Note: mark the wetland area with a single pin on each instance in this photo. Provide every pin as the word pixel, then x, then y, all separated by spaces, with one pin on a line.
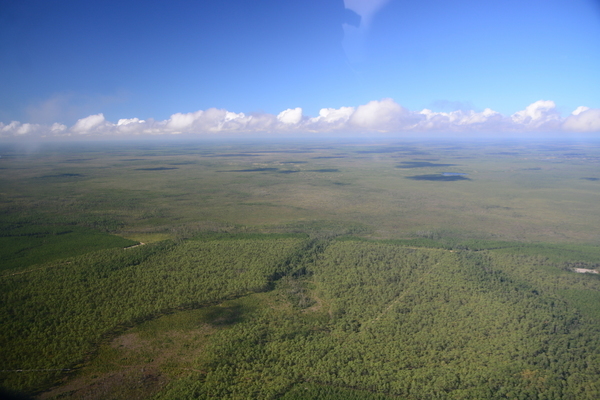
pixel 300 270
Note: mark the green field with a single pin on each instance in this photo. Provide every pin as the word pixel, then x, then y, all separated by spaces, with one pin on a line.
pixel 310 270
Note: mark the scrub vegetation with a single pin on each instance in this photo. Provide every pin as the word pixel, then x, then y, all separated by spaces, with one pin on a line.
pixel 230 277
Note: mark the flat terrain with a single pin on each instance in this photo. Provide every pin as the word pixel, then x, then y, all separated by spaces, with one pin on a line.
pixel 321 270
pixel 523 191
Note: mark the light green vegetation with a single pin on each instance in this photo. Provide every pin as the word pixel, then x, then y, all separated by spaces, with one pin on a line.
pixel 521 192
pixel 310 271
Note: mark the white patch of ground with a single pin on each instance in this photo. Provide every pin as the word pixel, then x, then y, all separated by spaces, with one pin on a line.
pixel 585 271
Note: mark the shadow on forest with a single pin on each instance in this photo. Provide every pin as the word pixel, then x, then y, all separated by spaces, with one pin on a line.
pixel 7 394
pixel 226 315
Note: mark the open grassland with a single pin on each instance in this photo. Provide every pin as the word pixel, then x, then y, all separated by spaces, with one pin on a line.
pixel 300 271
pixel 520 192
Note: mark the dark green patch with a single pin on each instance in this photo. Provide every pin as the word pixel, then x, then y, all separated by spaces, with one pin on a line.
pixel 586 301
pixel 224 315
pixel 287 172
pixel 61 176
pixel 565 254
pixel 235 155
pixel 391 149
pixel 248 236
pixel 183 163
pixel 252 170
pixel 309 391
pixel 22 247
pixel 438 178
pixel 76 160
pixel 422 164
pixel 284 151
pixel 156 169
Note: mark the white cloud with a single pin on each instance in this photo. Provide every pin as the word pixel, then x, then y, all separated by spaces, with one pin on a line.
pixel 290 116
pixel 133 126
pixel 216 120
pixel 26 129
pixel 579 110
pixel 460 120
pixel 180 122
pixel 380 116
pixel 123 122
pixel 583 119
pixel 17 129
pixel 262 123
pixel 7 129
pixel 383 116
pixel 330 119
pixel 540 114
pixel 332 115
pixel 57 128
pixel 90 124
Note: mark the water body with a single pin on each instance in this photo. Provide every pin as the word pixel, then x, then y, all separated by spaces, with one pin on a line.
pixel 454 174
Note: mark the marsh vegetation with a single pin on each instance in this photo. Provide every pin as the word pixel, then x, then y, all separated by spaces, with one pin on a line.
pixel 348 278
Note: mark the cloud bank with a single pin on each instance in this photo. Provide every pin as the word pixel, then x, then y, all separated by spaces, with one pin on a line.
pixel 379 117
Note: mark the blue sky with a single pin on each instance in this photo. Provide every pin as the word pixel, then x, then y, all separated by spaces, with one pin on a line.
pixel 306 66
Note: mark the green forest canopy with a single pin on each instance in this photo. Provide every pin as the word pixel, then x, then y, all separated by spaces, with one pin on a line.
pixel 326 307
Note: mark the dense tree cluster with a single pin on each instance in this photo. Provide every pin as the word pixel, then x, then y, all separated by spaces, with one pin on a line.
pixel 51 317
pixel 320 318
pixel 410 323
